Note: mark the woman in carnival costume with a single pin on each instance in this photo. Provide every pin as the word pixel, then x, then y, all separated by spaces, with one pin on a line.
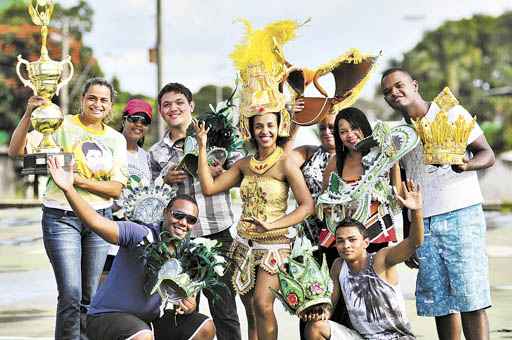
pixel 262 243
pixel 350 127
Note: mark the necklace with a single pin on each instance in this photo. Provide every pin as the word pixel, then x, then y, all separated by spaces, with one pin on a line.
pixel 260 167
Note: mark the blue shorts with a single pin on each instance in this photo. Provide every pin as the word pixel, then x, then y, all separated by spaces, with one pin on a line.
pixel 453 275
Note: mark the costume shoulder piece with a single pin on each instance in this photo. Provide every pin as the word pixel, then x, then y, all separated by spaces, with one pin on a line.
pixel 386 146
pixel 261 70
pixel 304 283
pixel 444 141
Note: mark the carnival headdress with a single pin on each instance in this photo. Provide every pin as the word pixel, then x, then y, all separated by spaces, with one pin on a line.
pixel 145 203
pixel 304 283
pixel 223 137
pixel 350 70
pixel 387 145
pixel 261 71
pixel 444 142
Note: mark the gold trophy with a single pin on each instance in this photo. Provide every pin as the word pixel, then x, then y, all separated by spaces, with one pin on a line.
pixel 45 79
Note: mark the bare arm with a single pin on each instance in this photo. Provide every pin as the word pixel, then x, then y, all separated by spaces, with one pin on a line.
pixel 407 247
pixel 335 276
pixel 19 136
pixel 209 184
pixel 396 179
pixel 107 189
pixel 483 156
pixel 105 228
pixel 301 154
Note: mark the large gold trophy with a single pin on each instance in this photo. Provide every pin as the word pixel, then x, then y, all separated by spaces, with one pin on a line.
pixel 45 79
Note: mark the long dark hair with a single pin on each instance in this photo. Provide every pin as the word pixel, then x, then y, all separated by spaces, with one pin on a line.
pixel 357 120
pixel 280 140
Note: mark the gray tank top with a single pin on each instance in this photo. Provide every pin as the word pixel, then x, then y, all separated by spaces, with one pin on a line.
pixel 376 309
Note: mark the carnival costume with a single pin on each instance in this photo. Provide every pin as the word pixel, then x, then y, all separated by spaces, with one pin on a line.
pixel 354 200
pixel 263 197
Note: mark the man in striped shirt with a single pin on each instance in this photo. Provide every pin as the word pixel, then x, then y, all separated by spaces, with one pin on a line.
pixel 175 105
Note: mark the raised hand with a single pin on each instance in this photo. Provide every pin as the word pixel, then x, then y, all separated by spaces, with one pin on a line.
pixel 33 103
pixel 64 178
pixel 201 133
pixel 175 175
pixel 412 196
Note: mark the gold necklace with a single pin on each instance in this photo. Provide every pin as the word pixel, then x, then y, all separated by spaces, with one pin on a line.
pixel 260 167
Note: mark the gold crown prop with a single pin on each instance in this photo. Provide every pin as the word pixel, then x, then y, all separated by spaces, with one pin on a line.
pixel 444 142
pixel 261 72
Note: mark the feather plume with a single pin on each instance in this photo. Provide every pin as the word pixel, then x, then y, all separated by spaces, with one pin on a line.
pixel 258 46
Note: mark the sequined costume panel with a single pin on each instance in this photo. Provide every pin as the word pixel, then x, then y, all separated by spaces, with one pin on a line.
pixel 265 199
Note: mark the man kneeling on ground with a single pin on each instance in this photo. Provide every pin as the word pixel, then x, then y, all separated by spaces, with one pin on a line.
pixel 121 309
pixel 369 282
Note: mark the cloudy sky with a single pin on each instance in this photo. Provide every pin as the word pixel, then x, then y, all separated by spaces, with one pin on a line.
pixel 200 34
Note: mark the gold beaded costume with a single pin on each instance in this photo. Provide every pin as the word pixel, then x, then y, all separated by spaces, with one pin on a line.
pixel 264 198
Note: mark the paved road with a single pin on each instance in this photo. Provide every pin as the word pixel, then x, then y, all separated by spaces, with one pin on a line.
pixel 28 291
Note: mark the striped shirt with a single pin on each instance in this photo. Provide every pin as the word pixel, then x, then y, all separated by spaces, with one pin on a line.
pixel 215 214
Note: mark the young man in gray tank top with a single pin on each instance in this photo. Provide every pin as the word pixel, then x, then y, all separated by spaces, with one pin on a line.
pixel 369 282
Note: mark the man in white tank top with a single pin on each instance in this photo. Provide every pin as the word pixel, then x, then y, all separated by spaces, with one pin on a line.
pixel 369 282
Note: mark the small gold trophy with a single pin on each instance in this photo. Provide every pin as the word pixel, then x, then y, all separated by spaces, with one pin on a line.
pixel 45 80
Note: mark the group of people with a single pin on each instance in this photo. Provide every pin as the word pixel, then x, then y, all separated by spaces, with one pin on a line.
pixel 446 238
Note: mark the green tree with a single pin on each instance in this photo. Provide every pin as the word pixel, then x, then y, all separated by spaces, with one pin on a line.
pixel 208 95
pixel 471 56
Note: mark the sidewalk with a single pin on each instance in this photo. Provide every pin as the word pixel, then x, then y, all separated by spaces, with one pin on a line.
pixel 28 298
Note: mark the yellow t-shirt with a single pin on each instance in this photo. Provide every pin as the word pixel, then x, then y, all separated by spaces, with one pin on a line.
pixel 99 155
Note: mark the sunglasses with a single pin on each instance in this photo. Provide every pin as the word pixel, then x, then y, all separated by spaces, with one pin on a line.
pixel 138 119
pixel 179 215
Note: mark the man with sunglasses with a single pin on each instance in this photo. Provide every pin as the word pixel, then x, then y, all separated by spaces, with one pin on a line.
pixel 175 105
pixel 121 309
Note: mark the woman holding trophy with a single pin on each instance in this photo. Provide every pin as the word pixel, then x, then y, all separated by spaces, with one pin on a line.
pixel 76 253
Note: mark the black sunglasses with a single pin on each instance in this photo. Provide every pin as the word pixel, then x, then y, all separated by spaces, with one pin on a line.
pixel 179 215
pixel 138 119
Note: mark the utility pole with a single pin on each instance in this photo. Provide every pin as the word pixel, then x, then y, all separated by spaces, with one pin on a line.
pixel 160 124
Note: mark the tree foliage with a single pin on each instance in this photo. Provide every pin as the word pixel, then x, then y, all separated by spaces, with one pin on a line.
pixel 471 56
pixel 16 40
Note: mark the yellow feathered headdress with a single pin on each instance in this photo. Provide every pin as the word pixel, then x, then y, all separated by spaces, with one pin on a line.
pixel 259 61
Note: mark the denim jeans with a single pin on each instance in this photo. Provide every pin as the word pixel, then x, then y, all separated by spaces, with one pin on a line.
pixel 223 305
pixel 77 256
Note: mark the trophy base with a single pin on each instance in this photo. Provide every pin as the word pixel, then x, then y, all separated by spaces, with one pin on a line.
pixel 37 163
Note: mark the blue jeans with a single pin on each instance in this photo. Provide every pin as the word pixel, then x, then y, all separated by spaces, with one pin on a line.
pixel 77 256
